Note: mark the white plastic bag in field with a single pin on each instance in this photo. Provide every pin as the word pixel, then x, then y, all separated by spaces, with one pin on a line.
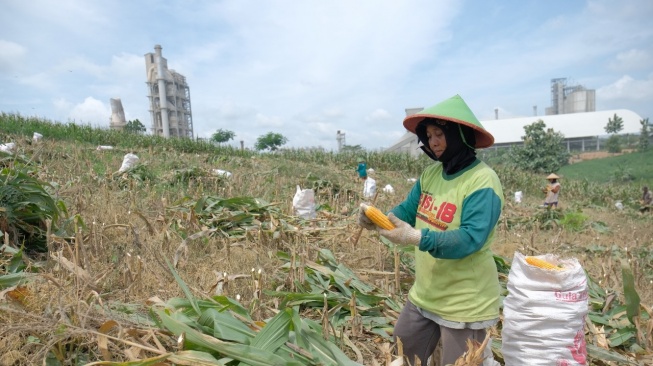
pixel 128 162
pixel 8 147
pixel 221 173
pixel 388 189
pixel 518 196
pixel 104 147
pixel 36 138
pixel 544 314
pixel 369 188
pixel 304 203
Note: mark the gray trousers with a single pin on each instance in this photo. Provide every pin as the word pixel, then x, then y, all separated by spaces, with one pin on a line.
pixel 419 337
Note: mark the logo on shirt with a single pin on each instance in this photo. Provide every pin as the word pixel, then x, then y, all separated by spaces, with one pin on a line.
pixel 434 213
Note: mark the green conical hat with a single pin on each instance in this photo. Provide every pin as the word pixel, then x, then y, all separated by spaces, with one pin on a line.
pixel 454 110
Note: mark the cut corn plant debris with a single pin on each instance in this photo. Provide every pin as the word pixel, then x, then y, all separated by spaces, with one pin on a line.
pixel 221 332
pixel 300 305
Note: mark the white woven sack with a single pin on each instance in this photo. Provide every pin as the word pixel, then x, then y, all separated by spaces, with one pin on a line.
pixel 544 314
pixel 8 147
pixel 128 162
pixel 369 188
pixel 303 203
pixel 388 189
pixel 221 173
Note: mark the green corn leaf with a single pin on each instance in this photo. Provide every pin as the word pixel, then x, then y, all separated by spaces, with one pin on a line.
pixel 599 319
pixel 232 305
pixel 598 353
pixel 14 279
pixel 327 352
pixel 152 361
pixel 225 326
pixel 184 288
pixel 622 336
pixel 630 293
pixel 178 358
pixel 200 205
pixel 192 358
pixel 275 332
pixel 241 352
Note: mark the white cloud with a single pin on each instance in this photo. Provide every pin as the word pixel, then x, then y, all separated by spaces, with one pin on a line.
pixel 627 88
pixel 378 114
pixel 11 56
pixel 322 66
pixel 321 128
pixel 127 65
pixel 333 113
pixel 91 111
pixel 633 59
pixel 62 105
pixel 231 110
pixel 268 121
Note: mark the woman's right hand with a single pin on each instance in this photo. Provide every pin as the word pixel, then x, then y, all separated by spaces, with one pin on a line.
pixel 363 220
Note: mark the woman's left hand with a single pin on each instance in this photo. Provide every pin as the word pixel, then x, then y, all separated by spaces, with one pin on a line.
pixel 403 233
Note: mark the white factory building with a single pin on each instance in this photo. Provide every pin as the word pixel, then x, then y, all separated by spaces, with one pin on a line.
pixel 572 113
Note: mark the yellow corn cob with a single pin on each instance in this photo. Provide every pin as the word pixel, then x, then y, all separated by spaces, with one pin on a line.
pixel 379 218
pixel 537 262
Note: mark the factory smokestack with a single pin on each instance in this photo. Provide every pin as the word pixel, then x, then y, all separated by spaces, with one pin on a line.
pixel 118 120
pixel 163 98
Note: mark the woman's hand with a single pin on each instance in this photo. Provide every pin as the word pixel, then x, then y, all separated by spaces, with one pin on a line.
pixel 403 233
pixel 363 220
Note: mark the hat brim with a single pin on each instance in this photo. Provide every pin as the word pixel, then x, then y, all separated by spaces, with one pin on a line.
pixel 552 176
pixel 483 137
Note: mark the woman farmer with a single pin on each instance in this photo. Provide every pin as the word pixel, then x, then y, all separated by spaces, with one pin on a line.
pixel 450 216
pixel 552 189
pixel 362 169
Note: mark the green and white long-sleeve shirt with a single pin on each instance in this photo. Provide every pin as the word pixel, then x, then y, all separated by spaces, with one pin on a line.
pixel 455 273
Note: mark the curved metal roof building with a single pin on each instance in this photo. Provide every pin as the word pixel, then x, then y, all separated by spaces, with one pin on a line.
pixel 571 125
pixel 581 130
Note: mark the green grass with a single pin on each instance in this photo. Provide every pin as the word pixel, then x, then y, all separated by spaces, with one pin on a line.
pixel 637 165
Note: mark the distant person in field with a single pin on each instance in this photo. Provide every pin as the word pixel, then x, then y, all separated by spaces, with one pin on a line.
pixel 362 169
pixel 552 190
pixel 647 200
pixel 450 217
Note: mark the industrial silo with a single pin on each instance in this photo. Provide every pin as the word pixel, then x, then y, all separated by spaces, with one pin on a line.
pixel 169 97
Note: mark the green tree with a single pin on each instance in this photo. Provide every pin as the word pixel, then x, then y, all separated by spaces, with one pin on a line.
pixel 135 126
pixel 613 127
pixel 270 141
pixel 543 150
pixel 615 124
pixel 644 133
pixel 221 136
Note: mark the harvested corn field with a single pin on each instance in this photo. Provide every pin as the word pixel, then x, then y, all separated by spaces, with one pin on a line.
pixel 170 263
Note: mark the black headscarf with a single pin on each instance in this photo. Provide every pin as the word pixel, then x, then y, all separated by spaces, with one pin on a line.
pixel 459 153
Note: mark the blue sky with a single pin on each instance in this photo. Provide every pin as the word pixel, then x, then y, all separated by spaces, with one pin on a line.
pixel 307 69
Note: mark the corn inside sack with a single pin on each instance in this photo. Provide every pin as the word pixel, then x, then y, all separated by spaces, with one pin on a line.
pixel 544 312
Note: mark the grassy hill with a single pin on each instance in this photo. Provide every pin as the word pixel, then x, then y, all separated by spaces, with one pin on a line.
pixel 636 167
pixel 170 263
